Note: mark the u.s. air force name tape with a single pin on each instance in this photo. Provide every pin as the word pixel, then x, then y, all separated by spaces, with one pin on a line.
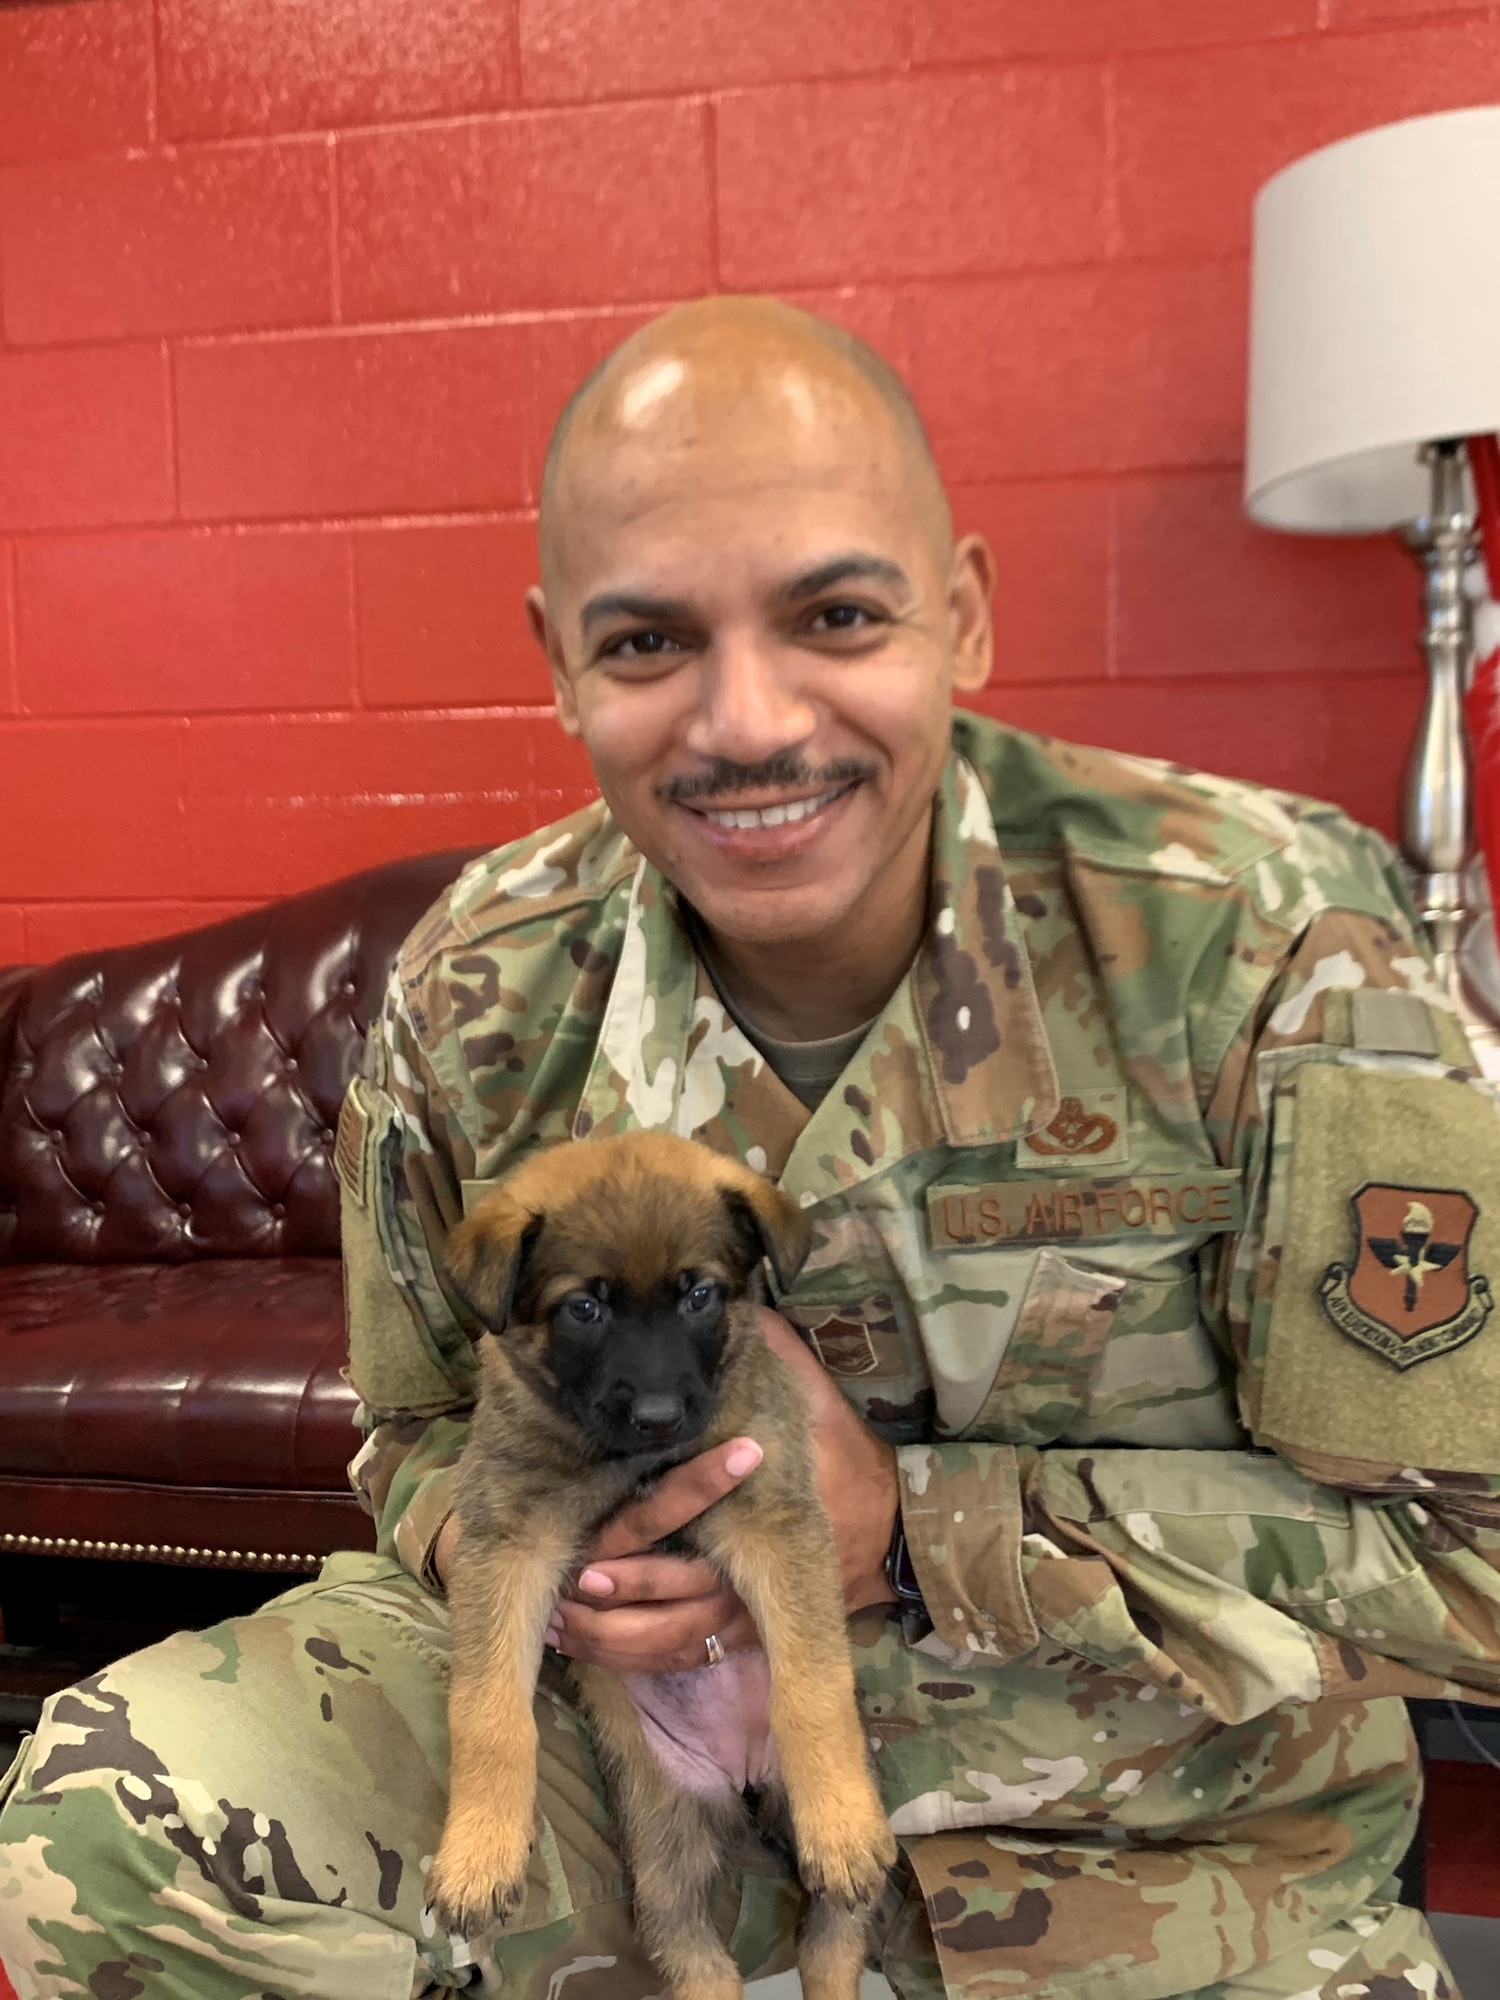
pixel 1032 1211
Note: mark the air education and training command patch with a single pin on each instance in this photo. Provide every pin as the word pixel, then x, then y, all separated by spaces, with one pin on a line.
pixel 1408 1295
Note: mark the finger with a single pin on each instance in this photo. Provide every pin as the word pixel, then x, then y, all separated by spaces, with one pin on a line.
pixel 647 1628
pixel 678 1497
pixel 646 1579
pixel 708 1609
pixel 687 1654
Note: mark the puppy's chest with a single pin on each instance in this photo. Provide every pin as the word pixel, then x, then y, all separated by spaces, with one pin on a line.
pixel 710 1730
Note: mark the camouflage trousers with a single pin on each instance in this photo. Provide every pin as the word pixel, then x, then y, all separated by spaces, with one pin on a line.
pixel 247 1813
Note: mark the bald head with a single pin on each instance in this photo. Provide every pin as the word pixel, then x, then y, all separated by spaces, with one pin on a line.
pixel 756 618
pixel 703 375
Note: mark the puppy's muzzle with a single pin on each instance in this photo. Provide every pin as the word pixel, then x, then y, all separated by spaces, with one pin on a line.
pixel 660 1419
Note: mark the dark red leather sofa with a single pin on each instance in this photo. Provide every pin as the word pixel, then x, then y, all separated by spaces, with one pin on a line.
pixel 171 1317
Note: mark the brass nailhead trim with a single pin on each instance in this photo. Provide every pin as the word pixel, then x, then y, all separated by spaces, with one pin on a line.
pixel 163 1552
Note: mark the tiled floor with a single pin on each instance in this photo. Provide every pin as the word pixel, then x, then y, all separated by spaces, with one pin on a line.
pixel 787 1986
pixel 1473 1948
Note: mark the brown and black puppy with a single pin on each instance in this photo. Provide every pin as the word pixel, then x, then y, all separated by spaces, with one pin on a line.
pixel 621 1275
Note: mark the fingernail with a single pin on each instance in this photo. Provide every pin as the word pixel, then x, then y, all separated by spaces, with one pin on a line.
pixel 596 1583
pixel 554 1633
pixel 746 1455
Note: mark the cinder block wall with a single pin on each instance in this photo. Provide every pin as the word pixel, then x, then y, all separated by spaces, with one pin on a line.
pixel 290 291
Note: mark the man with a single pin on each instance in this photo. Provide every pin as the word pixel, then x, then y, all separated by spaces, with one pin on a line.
pixel 1147 1325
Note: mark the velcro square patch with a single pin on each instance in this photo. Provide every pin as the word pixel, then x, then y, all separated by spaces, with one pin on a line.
pixel 1383 1229
pixel 351 1148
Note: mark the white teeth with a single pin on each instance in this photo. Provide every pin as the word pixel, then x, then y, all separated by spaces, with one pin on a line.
pixel 773 815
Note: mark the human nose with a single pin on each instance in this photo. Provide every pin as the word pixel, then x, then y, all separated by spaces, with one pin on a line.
pixel 749 705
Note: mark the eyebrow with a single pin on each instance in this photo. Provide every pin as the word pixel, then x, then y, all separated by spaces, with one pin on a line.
pixel 627 604
pixel 828 575
pixel 853 568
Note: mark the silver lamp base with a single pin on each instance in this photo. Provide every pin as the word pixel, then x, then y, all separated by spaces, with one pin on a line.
pixel 1435 834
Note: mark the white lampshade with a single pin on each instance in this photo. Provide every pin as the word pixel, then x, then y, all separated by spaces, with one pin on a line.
pixel 1374 320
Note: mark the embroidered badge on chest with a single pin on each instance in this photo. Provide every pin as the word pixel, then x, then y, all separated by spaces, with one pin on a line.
pixel 1089 1129
pixel 1408 1296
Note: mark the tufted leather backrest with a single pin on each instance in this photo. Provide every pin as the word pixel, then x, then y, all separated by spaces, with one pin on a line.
pixel 178 1099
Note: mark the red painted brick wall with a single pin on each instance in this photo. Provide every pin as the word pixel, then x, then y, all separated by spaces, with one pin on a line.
pixel 290 292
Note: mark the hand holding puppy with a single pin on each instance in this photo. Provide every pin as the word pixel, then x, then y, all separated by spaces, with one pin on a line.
pixel 657 1612
pixel 660 1609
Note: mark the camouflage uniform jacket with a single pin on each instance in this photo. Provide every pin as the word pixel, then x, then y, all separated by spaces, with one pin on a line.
pixel 1168 1477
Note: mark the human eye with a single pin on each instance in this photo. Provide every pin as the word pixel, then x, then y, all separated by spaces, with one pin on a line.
pixel 846 621
pixel 645 645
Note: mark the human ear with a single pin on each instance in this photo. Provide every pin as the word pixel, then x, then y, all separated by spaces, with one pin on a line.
pixel 547 636
pixel 971 590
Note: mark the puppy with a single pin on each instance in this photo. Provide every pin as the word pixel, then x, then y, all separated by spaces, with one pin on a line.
pixel 621 1276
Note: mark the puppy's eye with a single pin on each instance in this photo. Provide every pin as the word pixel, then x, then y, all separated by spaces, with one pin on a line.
pixel 700 1298
pixel 581 1307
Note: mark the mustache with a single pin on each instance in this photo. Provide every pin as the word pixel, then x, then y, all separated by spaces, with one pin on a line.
pixel 725 779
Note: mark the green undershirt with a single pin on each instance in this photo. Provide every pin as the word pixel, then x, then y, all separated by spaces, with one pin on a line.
pixel 808 1069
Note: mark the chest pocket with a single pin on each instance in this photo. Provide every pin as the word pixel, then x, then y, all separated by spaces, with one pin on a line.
pixel 1161 1380
pixel 1020 1344
pixel 851 1307
pixel 1053 1353
pixel 861 1341
pixel 1107 1350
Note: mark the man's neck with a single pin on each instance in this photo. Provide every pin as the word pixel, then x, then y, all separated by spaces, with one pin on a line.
pixel 810 989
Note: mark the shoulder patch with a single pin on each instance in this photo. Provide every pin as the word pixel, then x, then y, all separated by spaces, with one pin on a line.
pixel 1407 1295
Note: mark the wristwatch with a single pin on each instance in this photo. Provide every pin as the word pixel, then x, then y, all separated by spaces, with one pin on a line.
pixel 899 1571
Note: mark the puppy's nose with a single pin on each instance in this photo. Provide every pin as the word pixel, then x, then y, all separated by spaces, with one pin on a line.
pixel 658 1418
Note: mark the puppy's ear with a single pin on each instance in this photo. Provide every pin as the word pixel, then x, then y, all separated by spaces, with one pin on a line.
pixel 768 1222
pixel 487 1255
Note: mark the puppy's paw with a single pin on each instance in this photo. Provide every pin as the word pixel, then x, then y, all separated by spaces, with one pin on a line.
pixel 847 1851
pixel 479 1876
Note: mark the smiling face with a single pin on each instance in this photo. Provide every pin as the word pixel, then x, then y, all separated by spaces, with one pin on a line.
pixel 755 619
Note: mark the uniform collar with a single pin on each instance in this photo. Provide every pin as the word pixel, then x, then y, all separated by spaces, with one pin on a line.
pixel 958 1057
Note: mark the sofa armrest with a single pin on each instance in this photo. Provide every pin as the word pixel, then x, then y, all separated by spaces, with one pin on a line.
pixel 14 980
